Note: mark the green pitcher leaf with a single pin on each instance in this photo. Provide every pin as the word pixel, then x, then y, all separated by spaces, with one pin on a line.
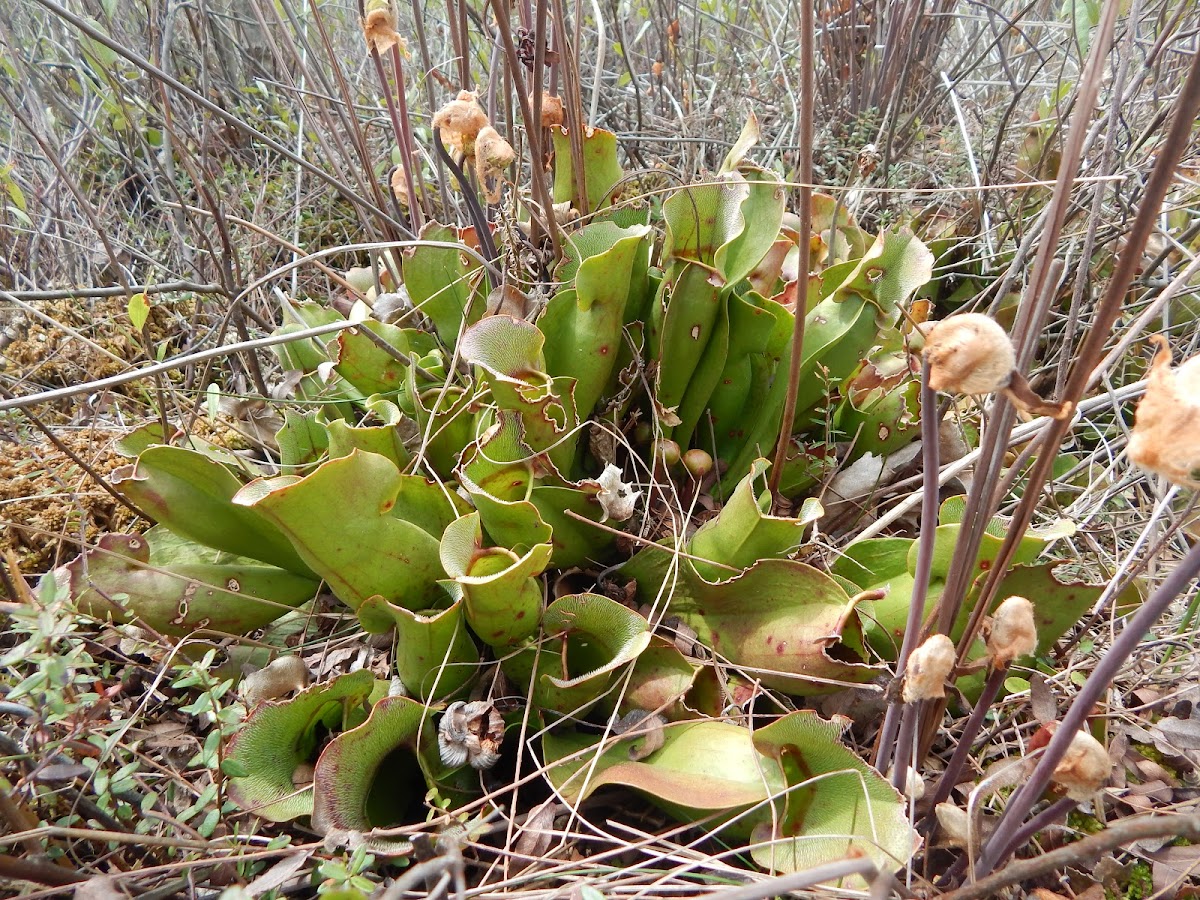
pixel 362 526
pixel 509 351
pixel 783 622
pixel 443 282
pixel 582 325
pixel 303 441
pixel 176 586
pixel 373 776
pixel 502 596
pixel 602 170
pixel 384 440
pixel 371 368
pixel 587 639
pixel 435 655
pixel 193 496
pixel 277 738
pixel 745 531
pixel 702 768
pixel 497 473
pixel 835 806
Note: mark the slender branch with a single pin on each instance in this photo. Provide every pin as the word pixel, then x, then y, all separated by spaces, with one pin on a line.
pixel 1080 854
pixel 998 847
pixel 896 711
pixel 805 173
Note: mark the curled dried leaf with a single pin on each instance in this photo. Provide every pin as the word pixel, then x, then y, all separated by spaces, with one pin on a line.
pixel 399 186
pixel 460 121
pixel 646 727
pixel 927 670
pixel 1013 633
pixel 471 733
pixel 968 354
pixel 280 678
pixel 379 27
pixel 1166 430
pixel 493 154
pixel 1084 768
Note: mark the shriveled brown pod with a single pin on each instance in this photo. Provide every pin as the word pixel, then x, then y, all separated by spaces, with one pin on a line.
pixel 379 26
pixel 928 668
pixel 1084 768
pixel 460 121
pixel 552 110
pixel 968 354
pixel 493 154
pixel 1013 632
pixel 1166 429
pixel 972 354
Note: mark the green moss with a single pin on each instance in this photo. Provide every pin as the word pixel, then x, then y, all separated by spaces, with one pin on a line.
pixel 1083 822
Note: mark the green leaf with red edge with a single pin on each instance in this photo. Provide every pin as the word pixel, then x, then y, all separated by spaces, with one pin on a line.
pixel 435 655
pixel 502 595
pixel 795 772
pixel 362 526
pixel 783 622
pixel 587 639
pixel 176 586
pixel 278 737
pixel 835 806
pixel 602 170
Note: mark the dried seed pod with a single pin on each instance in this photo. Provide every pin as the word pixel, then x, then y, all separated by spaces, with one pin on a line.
pixel 379 26
pixel 471 733
pixel 927 670
pixel 552 110
pixel 968 354
pixel 1013 633
pixel 493 154
pixel 460 121
pixel 278 679
pixel 1166 430
pixel 1084 768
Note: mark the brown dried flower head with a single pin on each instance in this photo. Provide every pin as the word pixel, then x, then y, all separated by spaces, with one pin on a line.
pixel 968 354
pixel 471 733
pixel 1013 633
pixel 379 27
pixel 493 154
pixel 927 670
pixel 1084 768
pixel 460 121
pixel 552 110
pixel 1166 429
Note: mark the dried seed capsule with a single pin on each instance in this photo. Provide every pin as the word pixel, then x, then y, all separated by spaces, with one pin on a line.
pixel 552 110
pixel 460 121
pixel 493 154
pixel 968 354
pixel 1084 768
pixel 379 26
pixel 1013 634
pixel 471 733
pixel 927 670
pixel 1166 430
